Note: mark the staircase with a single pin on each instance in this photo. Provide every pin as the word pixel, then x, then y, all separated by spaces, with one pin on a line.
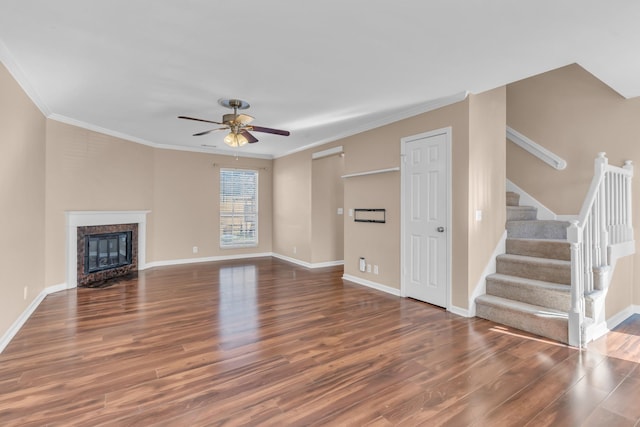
pixel 531 289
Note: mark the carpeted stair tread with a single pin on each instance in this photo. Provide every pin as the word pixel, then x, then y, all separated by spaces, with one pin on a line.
pixel 513 199
pixel 521 213
pixel 531 289
pixel 548 270
pixel 541 248
pixel 536 319
pixel 537 229
pixel 536 292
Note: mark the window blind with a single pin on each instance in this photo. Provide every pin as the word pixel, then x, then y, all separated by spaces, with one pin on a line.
pixel 238 208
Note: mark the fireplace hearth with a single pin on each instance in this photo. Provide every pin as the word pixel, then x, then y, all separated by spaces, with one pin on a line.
pixel 105 252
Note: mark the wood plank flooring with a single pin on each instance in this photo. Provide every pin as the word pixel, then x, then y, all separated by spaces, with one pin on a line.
pixel 264 342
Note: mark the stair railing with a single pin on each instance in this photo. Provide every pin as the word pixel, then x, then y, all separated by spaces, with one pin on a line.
pixel 604 220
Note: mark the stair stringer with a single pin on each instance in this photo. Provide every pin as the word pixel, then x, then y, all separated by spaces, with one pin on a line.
pixel 543 211
pixel 481 286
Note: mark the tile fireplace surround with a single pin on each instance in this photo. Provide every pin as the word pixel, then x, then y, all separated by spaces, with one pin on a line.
pixel 77 219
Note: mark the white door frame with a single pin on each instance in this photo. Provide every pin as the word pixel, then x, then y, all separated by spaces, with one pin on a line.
pixel 403 143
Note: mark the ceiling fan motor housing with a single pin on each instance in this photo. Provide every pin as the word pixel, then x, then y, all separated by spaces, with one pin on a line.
pixel 228 118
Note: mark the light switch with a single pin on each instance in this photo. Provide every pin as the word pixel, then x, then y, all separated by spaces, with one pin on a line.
pixel 478 215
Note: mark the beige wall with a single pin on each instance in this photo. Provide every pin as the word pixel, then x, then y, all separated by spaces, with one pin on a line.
pixel 292 206
pixel 327 195
pixel 186 199
pixel 487 171
pixel 91 171
pixel 479 183
pixel 575 115
pixel 22 187
pixel 380 243
pixel 48 168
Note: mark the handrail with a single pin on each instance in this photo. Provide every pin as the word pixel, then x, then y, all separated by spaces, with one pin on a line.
pixel 536 149
pixel 604 220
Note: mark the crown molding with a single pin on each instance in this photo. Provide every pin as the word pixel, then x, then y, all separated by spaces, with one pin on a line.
pixel 385 120
pixel 88 126
pixel 20 77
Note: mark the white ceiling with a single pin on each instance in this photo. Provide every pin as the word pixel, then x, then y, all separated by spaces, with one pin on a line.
pixel 322 69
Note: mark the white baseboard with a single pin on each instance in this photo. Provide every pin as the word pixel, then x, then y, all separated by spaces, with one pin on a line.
pixel 327 264
pixel 292 260
pixel 370 284
pixel 308 264
pixel 460 311
pixel 21 320
pixel 620 317
pixel 203 259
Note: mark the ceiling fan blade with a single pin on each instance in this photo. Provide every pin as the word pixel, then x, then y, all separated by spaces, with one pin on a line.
pixel 270 130
pixel 250 138
pixel 244 119
pixel 207 131
pixel 199 120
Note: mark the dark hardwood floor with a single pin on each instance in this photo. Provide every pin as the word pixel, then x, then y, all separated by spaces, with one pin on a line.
pixel 264 342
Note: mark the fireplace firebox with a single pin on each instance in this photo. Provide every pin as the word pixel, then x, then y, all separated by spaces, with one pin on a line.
pixel 106 252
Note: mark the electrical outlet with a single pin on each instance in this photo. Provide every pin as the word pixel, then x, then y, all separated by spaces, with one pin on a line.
pixel 26 292
pixel 368 268
pixel 340 211
pixel 375 269
pixel 295 250
pixel 195 249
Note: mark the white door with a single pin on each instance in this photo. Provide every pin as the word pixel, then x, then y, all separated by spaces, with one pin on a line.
pixel 425 212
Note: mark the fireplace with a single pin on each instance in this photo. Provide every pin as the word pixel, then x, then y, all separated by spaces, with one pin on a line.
pixel 104 245
pixel 106 252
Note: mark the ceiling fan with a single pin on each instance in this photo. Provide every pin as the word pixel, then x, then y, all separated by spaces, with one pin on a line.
pixel 237 124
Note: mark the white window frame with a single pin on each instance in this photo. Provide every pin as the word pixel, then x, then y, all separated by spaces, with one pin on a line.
pixel 233 237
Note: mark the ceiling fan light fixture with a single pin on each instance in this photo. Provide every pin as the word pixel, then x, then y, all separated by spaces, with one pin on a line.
pixel 235 140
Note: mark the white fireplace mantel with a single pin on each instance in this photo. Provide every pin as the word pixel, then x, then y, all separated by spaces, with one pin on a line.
pixel 77 219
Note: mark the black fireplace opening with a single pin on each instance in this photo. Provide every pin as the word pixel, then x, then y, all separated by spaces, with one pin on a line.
pixel 107 251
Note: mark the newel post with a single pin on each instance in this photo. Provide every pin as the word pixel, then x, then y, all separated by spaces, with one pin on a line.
pixel 600 163
pixel 576 314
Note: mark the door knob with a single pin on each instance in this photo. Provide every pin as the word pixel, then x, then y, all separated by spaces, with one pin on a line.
pixel 440 229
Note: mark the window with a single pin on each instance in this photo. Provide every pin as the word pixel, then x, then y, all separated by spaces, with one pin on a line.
pixel 238 208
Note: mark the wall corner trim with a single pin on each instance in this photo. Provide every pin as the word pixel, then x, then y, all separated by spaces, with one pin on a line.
pixel 536 149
